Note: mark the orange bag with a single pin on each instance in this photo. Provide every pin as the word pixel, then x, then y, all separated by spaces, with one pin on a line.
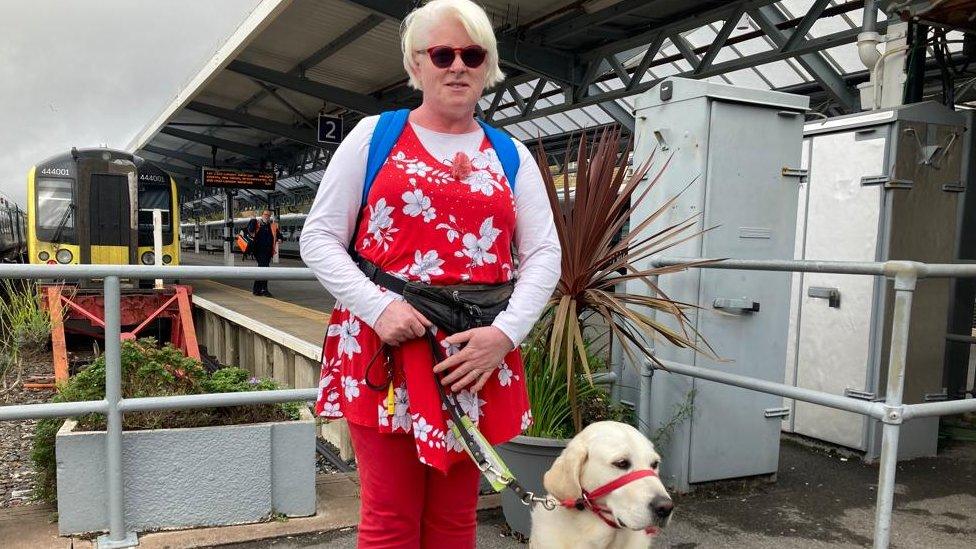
pixel 242 242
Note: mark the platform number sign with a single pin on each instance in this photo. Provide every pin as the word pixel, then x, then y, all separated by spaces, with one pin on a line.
pixel 330 129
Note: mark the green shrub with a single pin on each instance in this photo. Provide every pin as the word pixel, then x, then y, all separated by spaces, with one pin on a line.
pixel 23 321
pixel 238 380
pixel 44 459
pixel 151 370
pixel 552 409
pixel 25 326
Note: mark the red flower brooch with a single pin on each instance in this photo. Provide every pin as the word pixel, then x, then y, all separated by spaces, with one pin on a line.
pixel 460 166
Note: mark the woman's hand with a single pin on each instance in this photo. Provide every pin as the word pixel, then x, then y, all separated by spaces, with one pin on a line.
pixel 473 365
pixel 400 322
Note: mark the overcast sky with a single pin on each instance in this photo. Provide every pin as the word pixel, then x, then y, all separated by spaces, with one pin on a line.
pixel 95 72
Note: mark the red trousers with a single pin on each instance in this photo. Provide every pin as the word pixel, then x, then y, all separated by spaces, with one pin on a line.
pixel 408 505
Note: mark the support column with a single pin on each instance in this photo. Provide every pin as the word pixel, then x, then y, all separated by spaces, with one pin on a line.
pixel 915 88
pixel 228 227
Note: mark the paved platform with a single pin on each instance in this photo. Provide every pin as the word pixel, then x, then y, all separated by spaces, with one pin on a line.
pixel 300 328
pixel 306 293
pixel 35 526
pixel 821 499
pixel 296 316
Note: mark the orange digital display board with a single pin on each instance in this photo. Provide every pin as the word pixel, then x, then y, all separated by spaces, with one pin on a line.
pixel 228 178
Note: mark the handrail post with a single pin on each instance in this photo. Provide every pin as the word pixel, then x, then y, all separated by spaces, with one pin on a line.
pixel 644 412
pixel 906 278
pixel 117 536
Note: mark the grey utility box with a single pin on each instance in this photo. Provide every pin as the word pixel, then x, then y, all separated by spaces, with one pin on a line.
pixel 739 149
pixel 883 185
pixel 960 375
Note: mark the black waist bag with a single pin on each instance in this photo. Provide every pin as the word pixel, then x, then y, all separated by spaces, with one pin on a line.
pixel 454 308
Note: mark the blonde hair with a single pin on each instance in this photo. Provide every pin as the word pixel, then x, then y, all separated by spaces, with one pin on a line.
pixel 471 16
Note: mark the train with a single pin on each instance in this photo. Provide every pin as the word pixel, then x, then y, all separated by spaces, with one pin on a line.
pixel 212 234
pixel 95 206
pixel 13 232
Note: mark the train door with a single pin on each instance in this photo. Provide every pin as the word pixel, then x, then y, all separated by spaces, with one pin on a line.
pixel 109 213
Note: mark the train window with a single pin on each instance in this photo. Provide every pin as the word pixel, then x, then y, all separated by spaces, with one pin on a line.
pixel 146 220
pixel 153 197
pixel 54 200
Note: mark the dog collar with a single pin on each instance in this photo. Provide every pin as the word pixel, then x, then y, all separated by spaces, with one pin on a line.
pixel 588 501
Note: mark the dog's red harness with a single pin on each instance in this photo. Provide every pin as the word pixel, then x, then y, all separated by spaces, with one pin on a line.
pixel 588 501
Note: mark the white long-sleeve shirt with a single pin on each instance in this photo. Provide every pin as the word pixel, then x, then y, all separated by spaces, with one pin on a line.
pixel 330 225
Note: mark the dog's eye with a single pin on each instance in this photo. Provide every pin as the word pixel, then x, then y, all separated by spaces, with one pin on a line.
pixel 654 464
pixel 622 464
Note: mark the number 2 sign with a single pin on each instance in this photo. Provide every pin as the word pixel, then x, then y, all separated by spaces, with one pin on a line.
pixel 330 129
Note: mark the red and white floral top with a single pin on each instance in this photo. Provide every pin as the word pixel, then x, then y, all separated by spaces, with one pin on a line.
pixel 421 223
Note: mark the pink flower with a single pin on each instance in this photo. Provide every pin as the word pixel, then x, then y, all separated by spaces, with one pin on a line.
pixel 461 166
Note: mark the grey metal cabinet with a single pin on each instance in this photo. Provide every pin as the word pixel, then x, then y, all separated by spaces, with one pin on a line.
pixel 734 158
pixel 882 185
pixel 960 368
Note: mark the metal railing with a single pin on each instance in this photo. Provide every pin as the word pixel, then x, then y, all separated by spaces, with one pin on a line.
pixel 892 411
pixel 113 406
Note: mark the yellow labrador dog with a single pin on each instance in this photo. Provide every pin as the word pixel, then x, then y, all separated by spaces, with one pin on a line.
pixel 604 455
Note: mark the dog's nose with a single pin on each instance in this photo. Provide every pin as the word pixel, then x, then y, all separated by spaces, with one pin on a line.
pixel 662 507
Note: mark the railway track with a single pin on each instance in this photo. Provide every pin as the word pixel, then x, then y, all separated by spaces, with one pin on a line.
pixel 325 451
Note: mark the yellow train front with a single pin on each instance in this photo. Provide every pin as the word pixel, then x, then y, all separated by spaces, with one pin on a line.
pixel 95 206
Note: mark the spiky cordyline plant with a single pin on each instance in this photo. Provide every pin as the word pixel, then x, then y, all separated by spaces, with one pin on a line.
pixel 592 256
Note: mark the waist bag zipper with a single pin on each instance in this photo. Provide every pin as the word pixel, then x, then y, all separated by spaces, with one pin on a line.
pixel 472 309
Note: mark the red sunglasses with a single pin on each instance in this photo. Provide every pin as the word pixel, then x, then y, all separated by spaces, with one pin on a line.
pixel 443 56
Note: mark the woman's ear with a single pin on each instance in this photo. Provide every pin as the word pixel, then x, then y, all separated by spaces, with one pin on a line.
pixel 562 481
pixel 414 71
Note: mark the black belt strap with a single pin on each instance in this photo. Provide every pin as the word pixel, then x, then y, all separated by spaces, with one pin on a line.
pixel 381 277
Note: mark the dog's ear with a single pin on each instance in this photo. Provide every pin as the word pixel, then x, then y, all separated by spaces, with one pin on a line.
pixel 562 481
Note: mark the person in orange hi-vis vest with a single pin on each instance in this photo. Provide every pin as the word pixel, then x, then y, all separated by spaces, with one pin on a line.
pixel 264 242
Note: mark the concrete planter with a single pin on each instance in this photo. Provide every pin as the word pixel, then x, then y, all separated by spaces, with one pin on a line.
pixel 529 458
pixel 182 478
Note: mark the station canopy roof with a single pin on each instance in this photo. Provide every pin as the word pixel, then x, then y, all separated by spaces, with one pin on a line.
pixel 571 66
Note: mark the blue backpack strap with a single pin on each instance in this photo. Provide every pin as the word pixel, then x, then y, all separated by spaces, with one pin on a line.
pixel 385 135
pixel 506 151
pixel 390 126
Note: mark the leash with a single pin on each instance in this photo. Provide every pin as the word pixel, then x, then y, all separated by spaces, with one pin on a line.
pixel 477 447
pixel 474 443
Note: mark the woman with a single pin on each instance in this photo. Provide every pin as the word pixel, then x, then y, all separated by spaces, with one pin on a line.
pixel 440 211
